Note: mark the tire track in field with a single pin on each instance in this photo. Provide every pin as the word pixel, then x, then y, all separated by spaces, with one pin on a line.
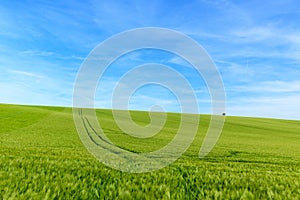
pixel 87 125
pixel 110 147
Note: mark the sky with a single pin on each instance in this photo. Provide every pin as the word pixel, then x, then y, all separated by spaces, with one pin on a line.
pixel 255 46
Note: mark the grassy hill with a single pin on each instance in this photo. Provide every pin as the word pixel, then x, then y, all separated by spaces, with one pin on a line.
pixel 42 157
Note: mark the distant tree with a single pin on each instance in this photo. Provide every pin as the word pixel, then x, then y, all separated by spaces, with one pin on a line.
pixel 223 114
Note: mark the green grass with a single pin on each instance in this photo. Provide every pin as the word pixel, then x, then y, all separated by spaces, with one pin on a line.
pixel 42 157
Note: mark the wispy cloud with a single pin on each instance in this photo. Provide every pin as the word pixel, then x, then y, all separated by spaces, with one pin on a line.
pixel 24 73
pixel 36 53
pixel 270 87
pixel 285 107
pixel 55 55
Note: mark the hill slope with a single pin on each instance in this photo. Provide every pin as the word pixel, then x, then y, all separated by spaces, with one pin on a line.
pixel 42 156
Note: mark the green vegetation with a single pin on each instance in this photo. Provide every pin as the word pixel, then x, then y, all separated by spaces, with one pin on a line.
pixel 42 157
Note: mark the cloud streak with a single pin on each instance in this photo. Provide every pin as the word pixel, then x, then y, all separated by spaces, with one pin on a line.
pixel 24 73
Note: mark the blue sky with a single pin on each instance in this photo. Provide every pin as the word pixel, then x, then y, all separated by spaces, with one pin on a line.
pixel 255 46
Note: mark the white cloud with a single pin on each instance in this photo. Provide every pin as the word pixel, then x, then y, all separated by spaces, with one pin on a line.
pixel 179 61
pixel 269 86
pixel 285 107
pixel 253 34
pixel 18 93
pixel 36 53
pixel 25 73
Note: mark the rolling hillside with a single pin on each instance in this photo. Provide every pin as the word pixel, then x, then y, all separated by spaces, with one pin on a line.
pixel 42 157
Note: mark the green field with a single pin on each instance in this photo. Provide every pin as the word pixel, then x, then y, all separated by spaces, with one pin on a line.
pixel 42 157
